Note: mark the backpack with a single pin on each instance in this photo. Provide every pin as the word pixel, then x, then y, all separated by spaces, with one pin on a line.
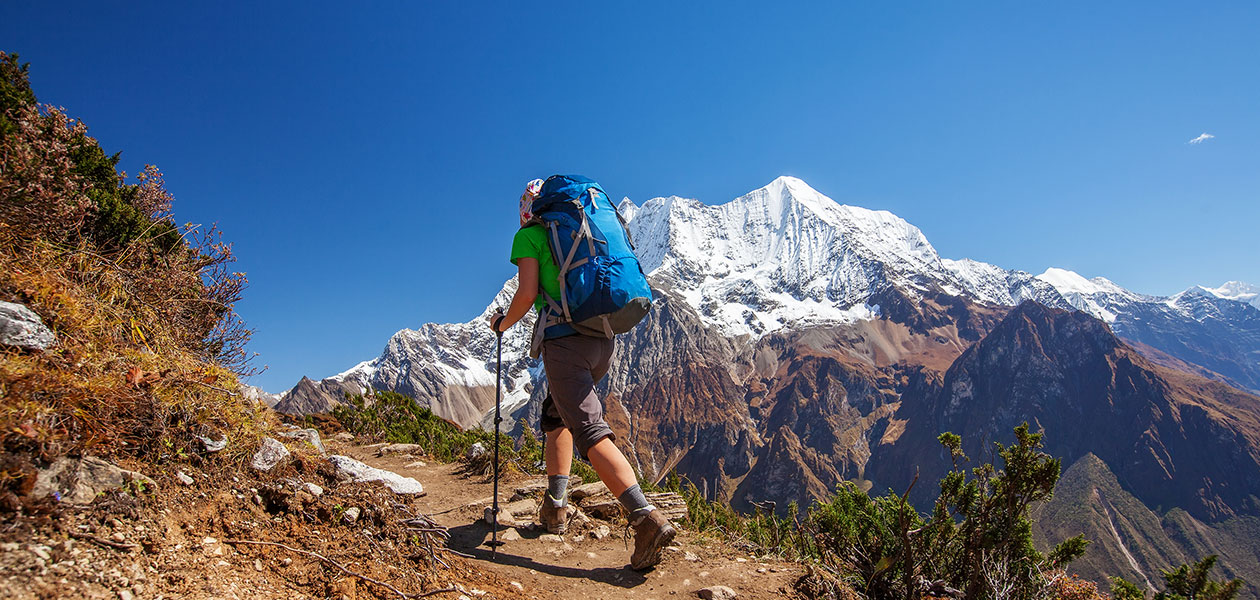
pixel 603 290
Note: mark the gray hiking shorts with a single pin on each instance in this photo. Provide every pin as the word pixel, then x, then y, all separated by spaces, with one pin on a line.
pixel 573 364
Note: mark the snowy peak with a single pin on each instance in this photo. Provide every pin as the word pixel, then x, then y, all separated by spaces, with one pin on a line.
pixel 1070 282
pixel 627 208
pixel 1232 290
pixel 781 254
pixel 1099 296
pixel 786 196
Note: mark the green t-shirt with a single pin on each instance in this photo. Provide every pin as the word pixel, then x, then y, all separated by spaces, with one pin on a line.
pixel 531 242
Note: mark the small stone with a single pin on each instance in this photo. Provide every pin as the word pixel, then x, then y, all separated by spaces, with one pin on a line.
pixel 505 517
pixel 517 585
pixel 222 563
pixel 550 537
pixel 41 551
pixel 344 437
pixel 704 573
pixel 464 597
pixel 763 570
pixel 270 454
pixel 689 555
pixel 125 595
pixel 511 535
pixel 309 436
pixel 352 514
pixel 591 489
pixel 475 451
pixel 287 561
pixel 208 541
pixel 257 565
pixel 211 445
pixel 477 592
pixel 183 478
pixel 313 489
pixel 717 592
pixel 741 559
pixel 119 537
pixel 590 555
pixel 399 449
pixel 600 532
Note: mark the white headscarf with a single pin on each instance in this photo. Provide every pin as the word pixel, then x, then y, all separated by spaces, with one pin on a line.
pixel 527 199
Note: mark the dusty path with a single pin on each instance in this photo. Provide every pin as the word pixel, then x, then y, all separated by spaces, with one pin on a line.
pixel 577 566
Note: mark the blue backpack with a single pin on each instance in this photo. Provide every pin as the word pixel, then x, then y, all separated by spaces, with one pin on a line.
pixel 603 291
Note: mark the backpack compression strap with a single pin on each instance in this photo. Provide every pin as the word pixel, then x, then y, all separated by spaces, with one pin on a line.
pixel 584 232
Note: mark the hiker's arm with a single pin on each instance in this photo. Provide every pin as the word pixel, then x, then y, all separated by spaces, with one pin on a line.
pixel 526 292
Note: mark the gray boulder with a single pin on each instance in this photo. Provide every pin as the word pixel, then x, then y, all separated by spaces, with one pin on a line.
pixel 21 327
pixel 717 592
pixel 309 436
pixel 79 481
pixel 353 470
pixel 270 454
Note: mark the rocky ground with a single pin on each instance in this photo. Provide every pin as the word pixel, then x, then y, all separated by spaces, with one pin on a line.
pixel 218 532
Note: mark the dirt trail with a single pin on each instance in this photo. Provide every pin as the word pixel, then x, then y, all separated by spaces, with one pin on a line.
pixel 579 567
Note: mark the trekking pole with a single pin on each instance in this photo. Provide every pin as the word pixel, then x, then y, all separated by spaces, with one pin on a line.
pixel 494 542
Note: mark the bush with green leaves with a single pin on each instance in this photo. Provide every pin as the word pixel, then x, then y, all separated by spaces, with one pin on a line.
pixel 977 541
pixel 1187 582
pixel 60 184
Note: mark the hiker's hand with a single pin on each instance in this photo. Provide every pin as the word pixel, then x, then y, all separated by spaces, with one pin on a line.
pixel 493 319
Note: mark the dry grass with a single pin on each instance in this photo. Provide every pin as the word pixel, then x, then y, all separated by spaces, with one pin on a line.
pixel 125 378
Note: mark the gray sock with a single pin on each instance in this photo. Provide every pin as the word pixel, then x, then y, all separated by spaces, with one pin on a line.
pixel 558 489
pixel 636 503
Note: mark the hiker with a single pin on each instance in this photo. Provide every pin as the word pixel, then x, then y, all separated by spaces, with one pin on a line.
pixel 572 413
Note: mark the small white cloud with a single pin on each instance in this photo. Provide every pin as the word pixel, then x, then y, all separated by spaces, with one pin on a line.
pixel 1203 137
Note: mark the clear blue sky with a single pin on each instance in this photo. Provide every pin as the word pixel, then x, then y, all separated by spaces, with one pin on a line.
pixel 366 158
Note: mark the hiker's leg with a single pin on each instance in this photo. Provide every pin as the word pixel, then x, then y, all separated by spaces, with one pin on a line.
pixel 571 364
pixel 559 451
pixel 611 465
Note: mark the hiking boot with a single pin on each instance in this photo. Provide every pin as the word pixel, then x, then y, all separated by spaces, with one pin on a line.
pixel 650 535
pixel 555 519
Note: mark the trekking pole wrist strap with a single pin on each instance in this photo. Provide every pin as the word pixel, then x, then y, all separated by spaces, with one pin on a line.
pixel 497 322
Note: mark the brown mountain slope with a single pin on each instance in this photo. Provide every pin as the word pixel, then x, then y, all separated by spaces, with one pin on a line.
pixel 786 417
pixel 1132 541
pixel 1172 439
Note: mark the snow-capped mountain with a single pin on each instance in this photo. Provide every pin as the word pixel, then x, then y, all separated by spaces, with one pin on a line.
pixel 1233 290
pixel 796 343
pixel 784 255
pixel 787 257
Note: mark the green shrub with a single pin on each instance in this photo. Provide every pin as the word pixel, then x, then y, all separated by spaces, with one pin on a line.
pixel 976 541
pixel 1186 582
pixel 393 417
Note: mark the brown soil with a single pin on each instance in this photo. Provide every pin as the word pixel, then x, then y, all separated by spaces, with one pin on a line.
pixel 179 543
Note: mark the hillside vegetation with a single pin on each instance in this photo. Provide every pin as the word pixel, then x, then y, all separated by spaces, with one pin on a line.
pixel 148 349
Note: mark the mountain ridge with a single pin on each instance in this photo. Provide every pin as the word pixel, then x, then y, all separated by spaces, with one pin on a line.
pixel 763 295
